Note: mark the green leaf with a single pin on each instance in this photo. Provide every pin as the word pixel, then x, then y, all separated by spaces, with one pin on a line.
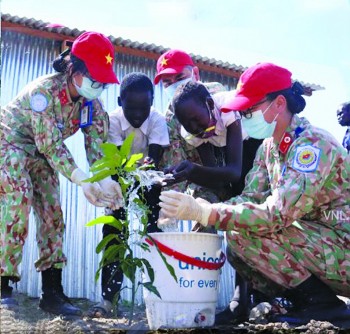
pixel 130 169
pixel 169 267
pixel 101 220
pixel 111 254
pixel 99 176
pixel 109 165
pixel 101 163
pixel 125 149
pixel 150 166
pixel 109 149
pixel 150 287
pixel 104 242
pixel 145 247
pixel 133 159
pixel 149 269
pixel 128 270
pixel 97 275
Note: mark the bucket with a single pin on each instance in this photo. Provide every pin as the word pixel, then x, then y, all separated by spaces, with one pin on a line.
pixel 191 301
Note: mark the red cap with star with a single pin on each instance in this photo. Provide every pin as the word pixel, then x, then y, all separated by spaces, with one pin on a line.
pixel 97 52
pixel 255 83
pixel 172 62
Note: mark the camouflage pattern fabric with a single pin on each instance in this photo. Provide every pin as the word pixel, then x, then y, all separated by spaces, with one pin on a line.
pixel 180 150
pixel 293 216
pixel 32 153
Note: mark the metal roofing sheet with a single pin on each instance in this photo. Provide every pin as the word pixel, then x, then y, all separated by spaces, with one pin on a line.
pixel 152 50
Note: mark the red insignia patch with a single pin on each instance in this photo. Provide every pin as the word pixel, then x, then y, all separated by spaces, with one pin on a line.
pixel 285 143
pixel 63 97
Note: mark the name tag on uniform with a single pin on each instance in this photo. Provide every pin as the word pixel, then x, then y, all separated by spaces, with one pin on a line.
pixel 86 115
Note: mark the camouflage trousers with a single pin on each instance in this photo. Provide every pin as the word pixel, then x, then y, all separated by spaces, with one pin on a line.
pixel 283 260
pixel 28 181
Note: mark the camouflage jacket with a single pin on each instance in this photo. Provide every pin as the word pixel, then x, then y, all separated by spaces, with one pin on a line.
pixel 43 115
pixel 309 183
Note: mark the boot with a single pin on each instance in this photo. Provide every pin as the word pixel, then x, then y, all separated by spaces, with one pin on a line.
pixel 7 301
pixel 53 299
pixel 238 309
pixel 314 300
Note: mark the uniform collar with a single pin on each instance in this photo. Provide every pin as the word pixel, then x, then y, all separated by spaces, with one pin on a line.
pixel 296 127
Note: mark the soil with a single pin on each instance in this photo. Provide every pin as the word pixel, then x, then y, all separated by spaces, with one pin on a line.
pixel 28 318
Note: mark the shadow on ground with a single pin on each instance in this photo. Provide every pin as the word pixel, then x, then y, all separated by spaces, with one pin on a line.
pixel 28 318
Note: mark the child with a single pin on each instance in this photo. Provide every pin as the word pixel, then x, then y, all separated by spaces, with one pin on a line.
pixel 151 135
pixel 217 137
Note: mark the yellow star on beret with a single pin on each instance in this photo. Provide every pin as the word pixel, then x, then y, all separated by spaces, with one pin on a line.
pixel 164 62
pixel 109 59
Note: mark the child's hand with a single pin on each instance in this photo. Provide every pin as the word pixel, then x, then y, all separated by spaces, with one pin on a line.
pixel 183 171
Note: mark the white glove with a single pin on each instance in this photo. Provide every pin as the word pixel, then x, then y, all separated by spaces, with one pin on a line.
pixel 181 206
pixel 167 224
pixel 111 189
pixel 92 191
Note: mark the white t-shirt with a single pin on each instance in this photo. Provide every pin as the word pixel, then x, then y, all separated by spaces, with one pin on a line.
pixel 223 121
pixel 152 131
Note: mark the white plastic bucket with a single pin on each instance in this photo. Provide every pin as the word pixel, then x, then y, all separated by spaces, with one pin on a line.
pixel 191 301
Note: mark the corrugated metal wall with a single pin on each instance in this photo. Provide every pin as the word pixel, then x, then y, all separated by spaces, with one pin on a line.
pixel 24 58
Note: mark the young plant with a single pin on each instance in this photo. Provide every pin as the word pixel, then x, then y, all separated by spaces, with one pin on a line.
pixel 119 161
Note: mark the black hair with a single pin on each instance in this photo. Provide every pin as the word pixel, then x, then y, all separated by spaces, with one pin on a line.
pixel 345 105
pixel 66 61
pixel 191 90
pixel 295 102
pixel 136 82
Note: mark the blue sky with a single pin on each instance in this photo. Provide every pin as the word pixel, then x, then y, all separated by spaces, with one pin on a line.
pixel 309 37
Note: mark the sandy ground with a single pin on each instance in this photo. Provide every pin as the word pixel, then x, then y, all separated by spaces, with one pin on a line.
pixel 28 318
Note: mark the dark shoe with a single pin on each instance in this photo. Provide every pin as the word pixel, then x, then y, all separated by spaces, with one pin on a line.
pixel 338 314
pixel 232 316
pixel 314 300
pixel 53 299
pixel 59 304
pixel 7 300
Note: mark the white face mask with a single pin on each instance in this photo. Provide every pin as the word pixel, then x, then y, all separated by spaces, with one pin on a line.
pixel 257 127
pixel 170 90
pixel 86 90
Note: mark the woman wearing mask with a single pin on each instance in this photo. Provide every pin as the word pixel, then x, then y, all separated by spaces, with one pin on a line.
pixel 288 233
pixel 33 128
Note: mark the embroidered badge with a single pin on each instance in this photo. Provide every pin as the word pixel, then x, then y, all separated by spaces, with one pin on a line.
pixel 38 102
pixel 307 158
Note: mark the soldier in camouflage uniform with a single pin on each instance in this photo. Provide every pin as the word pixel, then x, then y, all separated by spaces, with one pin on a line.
pixel 288 233
pixel 33 128
pixel 175 68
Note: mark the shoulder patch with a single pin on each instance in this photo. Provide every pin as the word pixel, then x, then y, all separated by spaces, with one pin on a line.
pixel 38 102
pixel 307 158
